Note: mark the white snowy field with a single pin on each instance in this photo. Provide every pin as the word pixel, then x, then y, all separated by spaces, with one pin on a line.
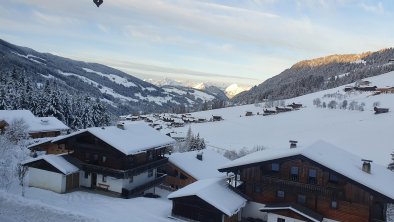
pixel 46 206
pixel 361 132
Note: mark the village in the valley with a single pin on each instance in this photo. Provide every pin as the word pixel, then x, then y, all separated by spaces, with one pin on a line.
pixel 169 159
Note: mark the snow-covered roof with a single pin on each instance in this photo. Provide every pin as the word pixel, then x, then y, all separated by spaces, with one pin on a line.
pixel 214 191
pixel 36 124
pixel 134 138
pixel 380 179
pixel 56 161
pixel 199 169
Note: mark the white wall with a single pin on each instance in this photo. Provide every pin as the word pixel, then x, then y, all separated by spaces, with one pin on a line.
pixel 47 180
pixel 116 185
pixel 85 182
pixel 252 209
pixel 274 218
pixel 138 180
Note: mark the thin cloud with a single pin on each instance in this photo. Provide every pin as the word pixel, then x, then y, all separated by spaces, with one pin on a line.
pixel 377 9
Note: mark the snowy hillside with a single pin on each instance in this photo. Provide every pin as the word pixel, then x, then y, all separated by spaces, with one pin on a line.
pixel 360 132
pixel 121 92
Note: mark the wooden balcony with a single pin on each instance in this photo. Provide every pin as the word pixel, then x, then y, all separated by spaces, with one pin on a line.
pixel 302 187
pixel 159 179
pixel 122 173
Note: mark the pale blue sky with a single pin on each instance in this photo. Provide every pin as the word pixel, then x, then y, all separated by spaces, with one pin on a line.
pixel 237 41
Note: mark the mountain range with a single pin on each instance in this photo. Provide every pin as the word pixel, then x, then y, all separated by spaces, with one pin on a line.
pixel 318 74
pixel 122 93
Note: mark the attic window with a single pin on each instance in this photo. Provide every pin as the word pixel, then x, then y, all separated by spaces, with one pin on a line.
pixel 275 167
pixel 333 178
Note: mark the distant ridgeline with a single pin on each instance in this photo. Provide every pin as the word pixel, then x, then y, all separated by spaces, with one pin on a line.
pixel 319 74
pixel 50 79
pixel 18 92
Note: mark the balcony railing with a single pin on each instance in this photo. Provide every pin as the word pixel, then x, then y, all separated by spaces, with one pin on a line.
pixel 123 173
pixel 140 189
pixel 302 187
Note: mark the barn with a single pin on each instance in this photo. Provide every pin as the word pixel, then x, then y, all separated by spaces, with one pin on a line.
pixel 52 172
pixel 209 200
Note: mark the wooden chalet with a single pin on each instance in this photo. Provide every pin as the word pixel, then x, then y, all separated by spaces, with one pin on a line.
pixel 318 183
pixel 249 113
pixel 385 90
pixel 380 110
pixel 187 167
pixel 366 88
pixel 295 105
pixel 217 118
pixel 283 109
pixel 209 200
pixel 269 112
pixel 38 127
pixel 121 159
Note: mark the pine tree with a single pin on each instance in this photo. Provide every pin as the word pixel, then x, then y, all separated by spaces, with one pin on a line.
pixel 391 165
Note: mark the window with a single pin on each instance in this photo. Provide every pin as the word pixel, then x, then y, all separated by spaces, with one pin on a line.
pixel 95 157
pixel 334 204
pixel 301 198
pixel 104 159
pixel 294 173
pixel 275 167
pixel 333 178
pixel 150 173
pixel 104 178
pixel 257 188
pixel 312 176
pixel 131 179
pixel 87 156
pixel 280 194
pixel 86 175
pixel 281 220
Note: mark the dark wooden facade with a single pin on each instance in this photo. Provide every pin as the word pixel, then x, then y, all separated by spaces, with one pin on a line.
pixel 299 180
pixel 96 156
pixel 193 207
pixel 35 135
pixel 176 177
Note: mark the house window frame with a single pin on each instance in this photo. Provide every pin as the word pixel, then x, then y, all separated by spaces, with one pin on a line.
pixel 301 198
pixel 280 192
pixel 334 204
pixel 104 179
pixel 275 169
pixel 104 159
pixel 257 188
pixel 86 175
pixel 312 179
pixel 294 177
pixel 279 219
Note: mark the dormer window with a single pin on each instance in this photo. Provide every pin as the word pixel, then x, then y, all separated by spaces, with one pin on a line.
pixel 294 173
pixel 275 167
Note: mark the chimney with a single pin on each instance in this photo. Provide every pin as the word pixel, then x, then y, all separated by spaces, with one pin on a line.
pixel 293 144
pixel 366 165
pixel 199 156
pixel 120 125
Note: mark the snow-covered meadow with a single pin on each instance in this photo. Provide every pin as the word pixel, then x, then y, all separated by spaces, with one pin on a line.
pixel 360 132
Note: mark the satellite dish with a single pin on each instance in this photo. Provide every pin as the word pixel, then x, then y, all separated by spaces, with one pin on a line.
pixel 98 2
